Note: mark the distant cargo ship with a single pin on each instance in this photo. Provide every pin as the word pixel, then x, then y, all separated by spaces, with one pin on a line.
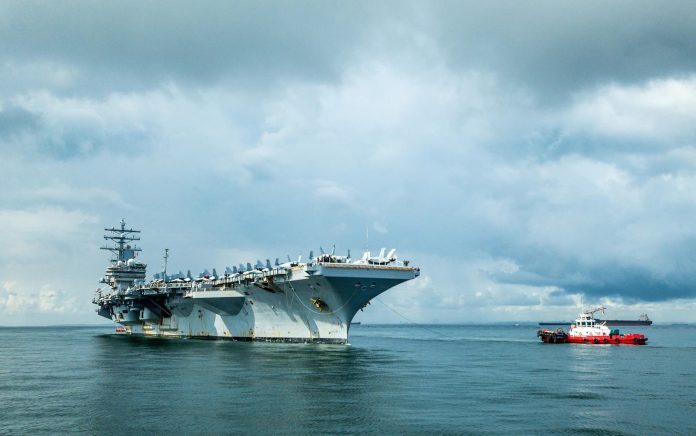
pixel 642 320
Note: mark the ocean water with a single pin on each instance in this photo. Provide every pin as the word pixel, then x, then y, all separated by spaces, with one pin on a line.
pixel 390 380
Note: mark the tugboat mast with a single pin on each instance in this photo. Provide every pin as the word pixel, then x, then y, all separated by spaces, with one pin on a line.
pixel 593 311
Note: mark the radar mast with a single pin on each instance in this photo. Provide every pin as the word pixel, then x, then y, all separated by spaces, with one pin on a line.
pixel 121 237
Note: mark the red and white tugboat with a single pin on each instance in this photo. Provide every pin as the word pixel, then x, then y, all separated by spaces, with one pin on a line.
pixel 587 330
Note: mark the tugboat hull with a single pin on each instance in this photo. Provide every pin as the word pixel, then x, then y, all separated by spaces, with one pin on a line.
pixel 553 337
pixel 560 337
pixel 629 339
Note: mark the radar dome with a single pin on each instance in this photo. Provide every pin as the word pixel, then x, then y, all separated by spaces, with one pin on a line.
pixel 130 262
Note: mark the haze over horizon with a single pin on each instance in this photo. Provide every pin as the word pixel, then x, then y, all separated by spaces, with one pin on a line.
pixel 527 156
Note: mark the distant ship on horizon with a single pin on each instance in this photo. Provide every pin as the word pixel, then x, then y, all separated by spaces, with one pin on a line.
pixel 642 320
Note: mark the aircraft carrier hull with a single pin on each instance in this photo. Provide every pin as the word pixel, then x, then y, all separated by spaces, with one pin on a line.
pixel 307 303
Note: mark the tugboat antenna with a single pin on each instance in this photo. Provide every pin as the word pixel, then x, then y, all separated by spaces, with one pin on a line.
pixel 593 311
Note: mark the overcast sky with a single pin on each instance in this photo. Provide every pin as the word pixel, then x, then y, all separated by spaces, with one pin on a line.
pixel 526 155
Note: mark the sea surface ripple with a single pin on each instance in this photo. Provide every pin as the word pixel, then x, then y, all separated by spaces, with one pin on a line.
pixel 389 380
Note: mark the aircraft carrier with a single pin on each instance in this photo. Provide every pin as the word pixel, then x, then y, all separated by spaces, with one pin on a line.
pixel 295 301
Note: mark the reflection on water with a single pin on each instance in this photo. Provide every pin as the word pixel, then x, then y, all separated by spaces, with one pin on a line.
pixel 254 385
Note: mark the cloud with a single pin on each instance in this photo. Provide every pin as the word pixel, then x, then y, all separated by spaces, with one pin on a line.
pixel 138 44
pixel 555 49
pixel 661 112
pixel 560 218
pixel 40 234
pixel 56 301
pixel 47 300
pixel 331 191
pixel 12 303
pixel 21 76
pixel 521 159
pixel 15 120
pixel 75 127
pixel 589 226
pixel 62 193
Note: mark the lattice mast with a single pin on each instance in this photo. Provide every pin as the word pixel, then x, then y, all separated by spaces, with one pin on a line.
pixel 122 251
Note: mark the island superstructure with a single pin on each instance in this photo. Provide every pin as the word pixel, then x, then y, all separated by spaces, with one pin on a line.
pixel 295 301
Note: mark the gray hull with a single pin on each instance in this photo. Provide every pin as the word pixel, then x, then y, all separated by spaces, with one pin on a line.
pixel 306 303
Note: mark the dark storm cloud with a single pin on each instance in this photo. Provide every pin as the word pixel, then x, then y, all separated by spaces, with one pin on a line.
pixel 16 120
pixel 138 42
pixel 556 48
pixel 49 133
pixel 608 279
pixel 552 48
